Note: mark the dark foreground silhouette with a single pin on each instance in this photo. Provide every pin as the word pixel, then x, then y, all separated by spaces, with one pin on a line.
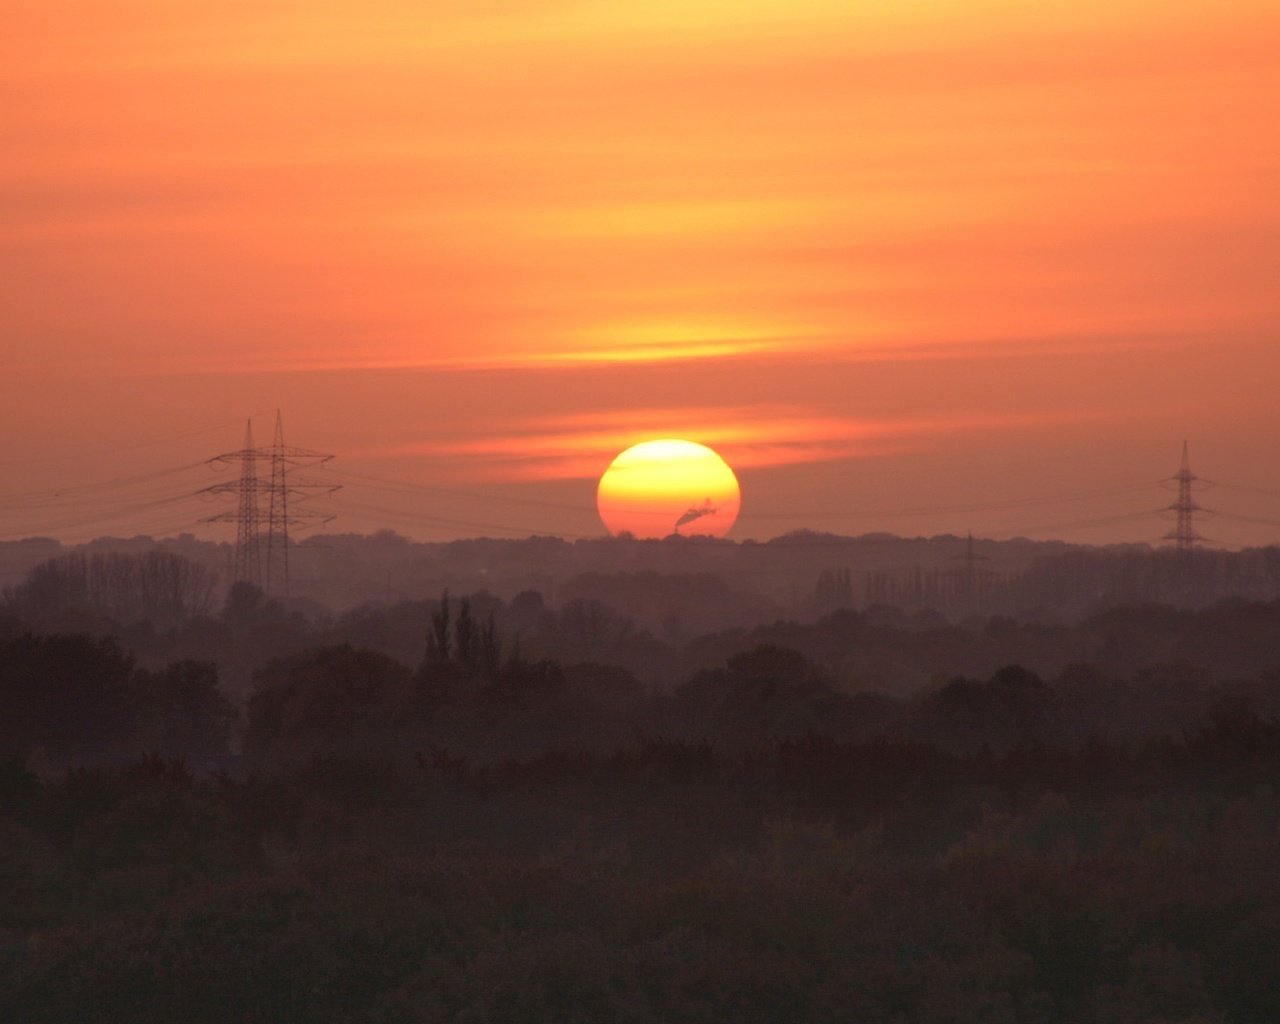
pixel 488 838
pixel 798 881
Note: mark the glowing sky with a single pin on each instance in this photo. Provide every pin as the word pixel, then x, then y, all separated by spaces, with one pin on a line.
pixel 912 265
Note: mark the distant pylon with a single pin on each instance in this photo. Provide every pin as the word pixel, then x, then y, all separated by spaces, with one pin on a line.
pixel 1184 534
pixel 282 512
pixel 248 555
pixel 278 513
pixel 247 563
pixel 969 578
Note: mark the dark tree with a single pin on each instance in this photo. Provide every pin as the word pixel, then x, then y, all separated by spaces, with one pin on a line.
pixel 68 698
pixel 185 713
pixel 330 701
pixel 439 635
pixel 156 586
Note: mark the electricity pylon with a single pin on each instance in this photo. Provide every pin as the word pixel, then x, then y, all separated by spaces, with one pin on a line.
pixel 282 509
pixel 970 576
pixel 283 495
pixel 1184 534
pixel 246 563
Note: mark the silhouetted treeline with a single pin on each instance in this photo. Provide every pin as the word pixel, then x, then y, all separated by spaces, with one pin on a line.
pixel 485 694
pixel 347 701
pixel 801 880
pixel 889 650
pixel 479 831
pixel 466 667
pixel 158 587
pixel 72 700
pixel 662 627
pixel 682 586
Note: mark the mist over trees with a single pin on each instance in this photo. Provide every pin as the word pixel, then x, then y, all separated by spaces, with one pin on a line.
pixel 698 585
pixel 635 793
pixel 158 587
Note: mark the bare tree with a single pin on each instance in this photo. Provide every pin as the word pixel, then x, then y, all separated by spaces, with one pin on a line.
pixel 157 586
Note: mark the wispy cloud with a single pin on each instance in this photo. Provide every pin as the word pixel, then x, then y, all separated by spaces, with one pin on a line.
pixel 581 445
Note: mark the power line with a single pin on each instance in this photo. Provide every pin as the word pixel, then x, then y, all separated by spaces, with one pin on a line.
pixel 281 513
pixel 149 442
pixel 422 518
pixel 1184 534
pixel 1082 524
pixel 269 504
pixel 75 491
pixel 1242 487
pixel 991 506
pixel 1259 520
pixel 417 488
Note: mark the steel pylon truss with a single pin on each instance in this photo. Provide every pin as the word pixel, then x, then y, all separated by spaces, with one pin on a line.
pixel 1184 534
pixel 267 478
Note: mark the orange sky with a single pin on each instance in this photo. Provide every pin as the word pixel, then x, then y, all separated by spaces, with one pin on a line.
pixel 911 265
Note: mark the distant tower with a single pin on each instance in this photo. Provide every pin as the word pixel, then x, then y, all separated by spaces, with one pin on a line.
pixel 1184 534
pixel 248 564
pixel 248 554
pixel 970 576
pixel 278 512
pixel 281 511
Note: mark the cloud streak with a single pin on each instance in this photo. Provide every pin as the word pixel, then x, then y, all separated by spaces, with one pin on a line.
pixel 581 445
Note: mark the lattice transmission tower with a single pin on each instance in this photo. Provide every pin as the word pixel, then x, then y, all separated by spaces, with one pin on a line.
pixel 971 577
pixel 287 493
pixel 1184 534
pixel 283 493
pixel 246 562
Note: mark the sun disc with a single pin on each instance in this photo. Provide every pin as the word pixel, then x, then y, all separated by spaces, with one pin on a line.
pixel 657 488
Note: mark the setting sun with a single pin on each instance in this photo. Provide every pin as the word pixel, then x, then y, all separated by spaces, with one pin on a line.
pixel 658 488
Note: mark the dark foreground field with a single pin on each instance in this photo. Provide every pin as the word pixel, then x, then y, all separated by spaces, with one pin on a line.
pixel 665 880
